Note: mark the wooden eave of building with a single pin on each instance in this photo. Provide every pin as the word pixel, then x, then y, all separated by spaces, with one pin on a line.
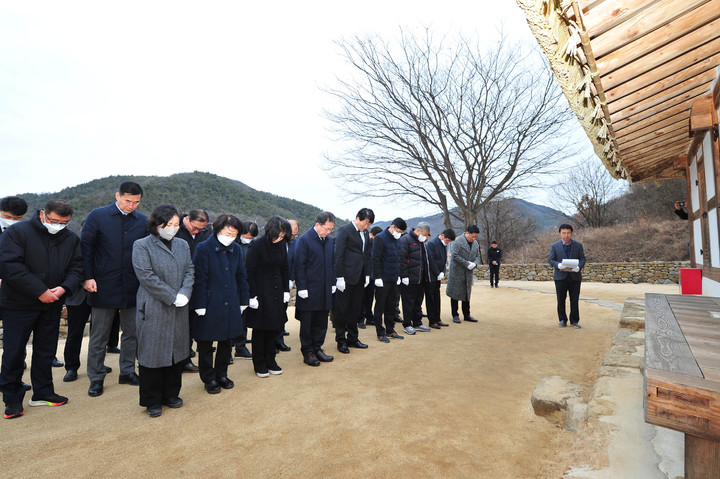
pixel 648 62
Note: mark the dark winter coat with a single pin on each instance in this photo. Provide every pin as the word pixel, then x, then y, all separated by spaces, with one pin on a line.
pixel 32 261
pixel 221 287
pixel 314 271
pixel 557 254
pixel 184 234
pixel 352 262
pixel 268 279
pixel 411 253
pixel 460 279
pixel 163 334
pixel 437 257
pixel 494 254
pixel 385 259
pixel 107 245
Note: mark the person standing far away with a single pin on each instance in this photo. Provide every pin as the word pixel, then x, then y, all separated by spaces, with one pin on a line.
pixel 464 258
pixel 40 263
pixel 107 242
pixel 352 263
pixel 386 271
pixel 437 256
pixel 494 255
pixel 567 276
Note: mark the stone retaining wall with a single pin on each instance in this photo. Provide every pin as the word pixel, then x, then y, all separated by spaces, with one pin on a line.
pixel 657 272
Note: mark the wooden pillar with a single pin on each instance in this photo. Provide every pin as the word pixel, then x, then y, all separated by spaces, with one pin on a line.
pixel 702 458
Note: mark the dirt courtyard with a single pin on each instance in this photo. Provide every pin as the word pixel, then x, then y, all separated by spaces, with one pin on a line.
pixel 450 403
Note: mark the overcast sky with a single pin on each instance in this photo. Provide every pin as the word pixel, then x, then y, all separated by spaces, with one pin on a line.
pixel 92 89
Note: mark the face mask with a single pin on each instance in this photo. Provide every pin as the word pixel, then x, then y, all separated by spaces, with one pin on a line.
pixel 422 238
pixel 397 235
pixel 225 240
pixel 167 233
pixel 4 223
pixel 245 240
pixel 54 229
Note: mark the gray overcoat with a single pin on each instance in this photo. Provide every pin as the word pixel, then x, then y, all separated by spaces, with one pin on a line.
pixel 163 330
pixel 460 278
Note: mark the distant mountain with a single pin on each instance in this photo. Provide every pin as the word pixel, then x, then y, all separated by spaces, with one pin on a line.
pixel 213 193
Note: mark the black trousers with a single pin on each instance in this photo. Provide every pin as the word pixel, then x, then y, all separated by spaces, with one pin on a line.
pixel 347 312
pixel 313 328
pixel 465 308
pixel 17 326
pixel 432 301
pixel 368 296
pixel 562 288
pixel 159 384
pixel 412 297
pixel 494 273
pixel 385 304
pixel 77 317
pixel 208 371
pixel 114 338
pixel 263 350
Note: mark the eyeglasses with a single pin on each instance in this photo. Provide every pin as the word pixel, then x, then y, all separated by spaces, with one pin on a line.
pixel 54 221
pixel 326 229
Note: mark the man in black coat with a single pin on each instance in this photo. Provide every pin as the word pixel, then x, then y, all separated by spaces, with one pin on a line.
pixel 385 271
pixel 567 274
pixel 437 256
pixel 352 263
pixel 40 263
pixel 315 280
pixel 494 255
pixel 414 276
pixel 107 243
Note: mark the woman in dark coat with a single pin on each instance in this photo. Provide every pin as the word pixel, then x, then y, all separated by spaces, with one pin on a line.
pixel 219 296
pixel 268 278
pixel 165 272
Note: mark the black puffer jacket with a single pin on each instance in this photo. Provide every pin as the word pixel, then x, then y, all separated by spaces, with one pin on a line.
pixel 410 251
pixel 32 261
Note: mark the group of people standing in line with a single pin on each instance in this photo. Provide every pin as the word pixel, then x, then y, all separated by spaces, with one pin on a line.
pixel 175 278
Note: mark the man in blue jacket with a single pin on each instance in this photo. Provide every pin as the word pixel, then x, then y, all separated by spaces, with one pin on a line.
pixel 315 281
pixel 437 256
pixel 567 278
pixel 386 271
pixel 107 243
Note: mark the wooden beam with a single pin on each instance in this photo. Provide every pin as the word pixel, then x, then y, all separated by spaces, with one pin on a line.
pixel 684 102
pixel 624 126
pixel 654 134
pixel 667 174
pixel 604 15
pixel 660 147
pixel 701 114
pixel 655 142
pixel 667 98
pixel 631 133
pixel 651 160
pixel 680 161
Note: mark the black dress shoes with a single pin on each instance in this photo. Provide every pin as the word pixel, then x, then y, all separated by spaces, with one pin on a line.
pixel 131 379
pixel 26 386
pixel 226 383
pixel 108 369
pixel 190 368
pixel 456 319
pixel 96 388
pixel 435 325
pixel 213 387
pixel 70 376
pixel 57 364
pixel 444 325
pixel 154 411
pixel 280 345
pixel 310 359
pixel 322 357
pixel 471 319
pixel 342 347
pixel 173 403
pixel 113 350
pixel 361 325
pixel 286 333
pixel 357 344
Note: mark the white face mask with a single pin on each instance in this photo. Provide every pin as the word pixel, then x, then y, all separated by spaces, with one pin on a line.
pixel 54 229
pixel 167 233
pixel 5 223
pixel 245 240
pixel 397 235
pixel 422 238
pixel 225 240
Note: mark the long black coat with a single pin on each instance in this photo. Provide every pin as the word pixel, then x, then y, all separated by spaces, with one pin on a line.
pixel 221 287
pixel 314 271
pixel 268 278
pixel 351 262
pixel 437 256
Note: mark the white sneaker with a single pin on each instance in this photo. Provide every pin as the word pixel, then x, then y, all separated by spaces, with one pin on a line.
pixel 422 327
pixel 262 375
pixel 409 330
pixel 275 372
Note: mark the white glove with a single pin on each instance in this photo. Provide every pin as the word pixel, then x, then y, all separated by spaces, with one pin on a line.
pixel 201 311
pixel 303 293
pixel 340 284
pixel 333 289
pixel 562 267
pixel 367 281
pixel 286 297
pixel 471 265
pixel 181 300
pixel 398 281
pixel 441 276
pixel 406 281
pixel 379 283
pixel 576 269
pixel 243 307
pixel 290 284
pixel 253 303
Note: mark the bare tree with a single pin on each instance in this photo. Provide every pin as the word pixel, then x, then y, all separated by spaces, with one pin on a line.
pixel 586 191
pixel 446 121
pixel 500 221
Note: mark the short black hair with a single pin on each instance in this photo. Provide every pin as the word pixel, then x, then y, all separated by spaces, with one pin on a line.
pixel 366 214
pixel 493 242
pixel 277 225
pixel 131 188
pixel 160 217
pixel 375 230
pixel 323 217
pixel 61 207
pixel 227 220
pixel 14 205
pixel 399 223
pixel 472 229
pixel 250 227
pixel 449 234
pixel 565 226
pixel 198 215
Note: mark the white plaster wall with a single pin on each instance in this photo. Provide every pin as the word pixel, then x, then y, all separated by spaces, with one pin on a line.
pixel 710 287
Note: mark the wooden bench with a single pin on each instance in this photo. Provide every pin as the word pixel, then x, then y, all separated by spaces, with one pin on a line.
pixel 682 375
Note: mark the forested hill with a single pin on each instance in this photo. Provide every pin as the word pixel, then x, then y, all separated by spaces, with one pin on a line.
pixel 213 193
